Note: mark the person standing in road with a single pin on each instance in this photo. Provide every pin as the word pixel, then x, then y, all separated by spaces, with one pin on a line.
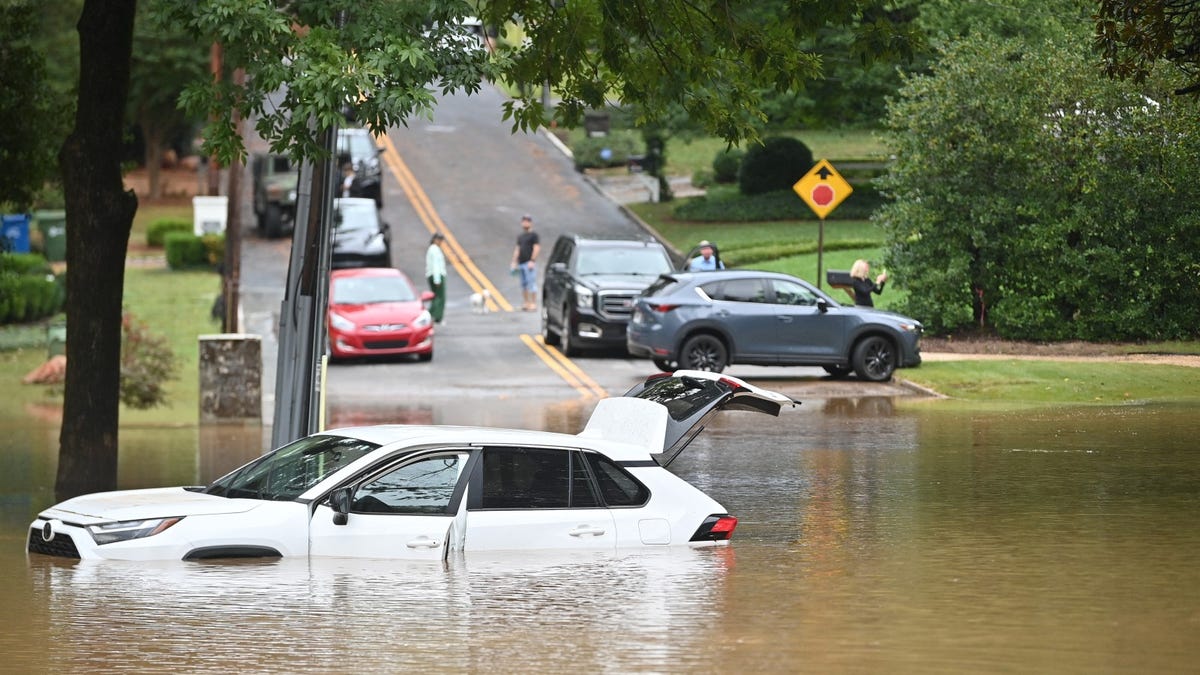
pixel 860 276
pixel 435 272
pixel 524 260
pixel 347 178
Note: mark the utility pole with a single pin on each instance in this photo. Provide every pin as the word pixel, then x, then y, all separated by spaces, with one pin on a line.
pixel 298 382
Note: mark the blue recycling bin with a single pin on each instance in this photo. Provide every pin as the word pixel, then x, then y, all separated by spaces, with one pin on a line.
pixel 16 233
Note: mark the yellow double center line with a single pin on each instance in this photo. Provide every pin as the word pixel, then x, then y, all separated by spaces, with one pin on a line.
pixel 565 367
pixel 433 222
pixel 554 359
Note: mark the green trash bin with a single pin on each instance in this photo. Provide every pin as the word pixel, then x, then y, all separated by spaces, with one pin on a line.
pixel 53 226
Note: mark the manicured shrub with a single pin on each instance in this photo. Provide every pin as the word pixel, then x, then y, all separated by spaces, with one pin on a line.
pixel 29 290
pixel 24 263
pixel 157 232
pixel 186 250
pixel 775 165
pixel 726 165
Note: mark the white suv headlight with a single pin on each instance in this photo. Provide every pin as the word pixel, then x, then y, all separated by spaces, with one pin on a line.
pixel 110 533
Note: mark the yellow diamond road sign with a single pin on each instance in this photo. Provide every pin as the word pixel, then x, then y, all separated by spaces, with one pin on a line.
pixel 822 188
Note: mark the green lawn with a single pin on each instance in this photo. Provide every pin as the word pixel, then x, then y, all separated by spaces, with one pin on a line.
pixel 1057 382
pixel 685 157
pixel 173 304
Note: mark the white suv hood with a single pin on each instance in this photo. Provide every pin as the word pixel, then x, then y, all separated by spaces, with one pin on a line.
pixel 107 507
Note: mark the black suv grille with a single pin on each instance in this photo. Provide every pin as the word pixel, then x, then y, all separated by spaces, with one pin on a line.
pixel 617 305
pixel 61 545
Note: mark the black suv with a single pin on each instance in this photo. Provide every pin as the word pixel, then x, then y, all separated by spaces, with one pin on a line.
pixel 589 289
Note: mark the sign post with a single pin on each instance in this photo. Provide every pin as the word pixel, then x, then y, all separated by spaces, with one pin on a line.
pixel 822 188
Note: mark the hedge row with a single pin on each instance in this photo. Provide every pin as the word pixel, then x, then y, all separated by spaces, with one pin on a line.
pixel 186 250
pixel 28 289
pixel 779 205
pixel 157 233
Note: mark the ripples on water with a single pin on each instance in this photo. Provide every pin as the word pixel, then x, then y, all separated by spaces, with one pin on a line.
pixel 873 538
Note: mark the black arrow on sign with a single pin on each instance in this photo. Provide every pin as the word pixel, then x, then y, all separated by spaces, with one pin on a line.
pixel 825 172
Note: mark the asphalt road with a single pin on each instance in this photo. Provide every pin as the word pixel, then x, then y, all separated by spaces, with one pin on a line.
pixel 465 174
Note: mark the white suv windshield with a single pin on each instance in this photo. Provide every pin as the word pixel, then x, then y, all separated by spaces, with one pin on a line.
pixel 288 472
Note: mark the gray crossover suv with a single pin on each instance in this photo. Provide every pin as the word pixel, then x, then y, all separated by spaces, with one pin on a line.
pixel 709 320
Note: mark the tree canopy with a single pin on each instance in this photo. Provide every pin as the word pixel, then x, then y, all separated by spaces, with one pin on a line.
pixel 712 57
pixel 1134 35
pixel 1036 198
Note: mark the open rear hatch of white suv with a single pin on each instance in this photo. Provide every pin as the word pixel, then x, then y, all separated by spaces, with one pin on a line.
pixel 690 398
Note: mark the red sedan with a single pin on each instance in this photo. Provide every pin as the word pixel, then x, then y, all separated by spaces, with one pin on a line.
pixel 376 311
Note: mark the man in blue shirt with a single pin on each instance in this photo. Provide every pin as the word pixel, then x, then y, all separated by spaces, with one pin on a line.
pixel 706 260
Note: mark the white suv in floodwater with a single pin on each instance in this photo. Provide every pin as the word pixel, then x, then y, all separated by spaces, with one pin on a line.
pixel 426 492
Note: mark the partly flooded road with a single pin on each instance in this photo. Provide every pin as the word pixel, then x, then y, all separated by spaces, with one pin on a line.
pixel 877 535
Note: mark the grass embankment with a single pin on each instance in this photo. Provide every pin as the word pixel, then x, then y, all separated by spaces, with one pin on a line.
pixel 1058 382
pixel 790 247
pixel 174 304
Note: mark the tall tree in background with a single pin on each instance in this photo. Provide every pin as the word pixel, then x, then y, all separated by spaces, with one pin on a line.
pixel 1132 35
pixel 30 113
pixel 1036 199
pixel 164 60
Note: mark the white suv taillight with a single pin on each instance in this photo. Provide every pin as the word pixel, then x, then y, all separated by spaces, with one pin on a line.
pixel 716 528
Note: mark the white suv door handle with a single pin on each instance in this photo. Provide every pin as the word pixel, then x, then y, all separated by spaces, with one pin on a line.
pixel 424 542
pixel 586 529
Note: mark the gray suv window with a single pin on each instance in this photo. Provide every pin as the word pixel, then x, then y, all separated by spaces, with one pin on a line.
pixel 792 293
pixel 737 290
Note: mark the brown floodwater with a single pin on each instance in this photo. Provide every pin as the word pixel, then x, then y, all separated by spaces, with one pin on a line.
pixel 876 535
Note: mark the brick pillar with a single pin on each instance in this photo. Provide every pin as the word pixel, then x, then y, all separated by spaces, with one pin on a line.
pixel 230 378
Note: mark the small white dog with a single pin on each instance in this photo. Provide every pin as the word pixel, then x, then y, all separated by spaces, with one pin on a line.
pixel 479 302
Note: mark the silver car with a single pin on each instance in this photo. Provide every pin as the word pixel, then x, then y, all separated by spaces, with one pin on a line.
pixel 709 320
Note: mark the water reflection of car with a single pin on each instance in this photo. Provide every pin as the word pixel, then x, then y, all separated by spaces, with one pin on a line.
pixel 376 311
pixel 357 147
pixel 422 492
pixel 360 238
pixel 707 321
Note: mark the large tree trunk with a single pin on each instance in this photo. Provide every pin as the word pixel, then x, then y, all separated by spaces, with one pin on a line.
pixel 99 217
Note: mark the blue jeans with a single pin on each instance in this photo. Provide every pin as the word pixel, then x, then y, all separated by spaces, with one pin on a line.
pixel 528 277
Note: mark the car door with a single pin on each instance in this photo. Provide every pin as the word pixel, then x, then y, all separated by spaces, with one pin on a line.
pixel 557 282
pixel 805 333
pixel 406 509
pixel 741 306
pixel 528 498
pixel 691 398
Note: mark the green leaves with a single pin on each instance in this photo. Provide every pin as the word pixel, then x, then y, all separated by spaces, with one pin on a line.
pixel 1029 192
pixel 714 59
